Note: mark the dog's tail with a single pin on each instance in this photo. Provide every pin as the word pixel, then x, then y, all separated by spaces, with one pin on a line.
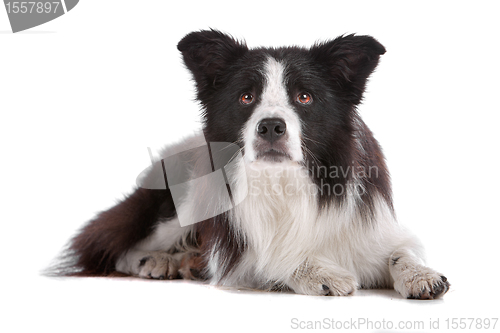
pixel 97 247
pixel 99 244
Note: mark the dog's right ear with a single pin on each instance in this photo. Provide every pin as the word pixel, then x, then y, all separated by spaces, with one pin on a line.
pixel 206 53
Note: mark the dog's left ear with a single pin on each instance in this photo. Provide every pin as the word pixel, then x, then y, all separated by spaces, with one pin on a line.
pixel 349 60
pixel 206 54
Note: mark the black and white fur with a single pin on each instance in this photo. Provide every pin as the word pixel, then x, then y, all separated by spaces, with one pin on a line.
pixel 297 226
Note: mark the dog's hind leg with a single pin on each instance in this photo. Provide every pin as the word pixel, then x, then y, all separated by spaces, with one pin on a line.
pixel 163 255
pixel 97 247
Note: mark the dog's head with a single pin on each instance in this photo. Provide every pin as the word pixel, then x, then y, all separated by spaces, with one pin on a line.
pixel 281 104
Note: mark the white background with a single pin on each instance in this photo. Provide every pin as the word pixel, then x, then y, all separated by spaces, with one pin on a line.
pixel 83 96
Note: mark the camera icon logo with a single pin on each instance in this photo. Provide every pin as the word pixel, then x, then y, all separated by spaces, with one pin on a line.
pixel 203 176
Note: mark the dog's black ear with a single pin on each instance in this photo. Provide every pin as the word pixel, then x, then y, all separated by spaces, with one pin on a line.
pixel 207 53
pixel 349 60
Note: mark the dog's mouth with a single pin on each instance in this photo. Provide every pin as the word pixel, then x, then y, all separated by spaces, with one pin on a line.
pixel 273 155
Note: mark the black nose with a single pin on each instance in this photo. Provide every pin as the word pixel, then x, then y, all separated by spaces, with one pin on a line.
pixel 271 129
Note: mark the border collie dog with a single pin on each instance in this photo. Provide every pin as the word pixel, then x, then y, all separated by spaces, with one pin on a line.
pixel 305 202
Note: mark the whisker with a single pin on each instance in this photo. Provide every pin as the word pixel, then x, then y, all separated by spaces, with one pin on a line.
pixel 235 154
pixel 315 159
pixel 309 139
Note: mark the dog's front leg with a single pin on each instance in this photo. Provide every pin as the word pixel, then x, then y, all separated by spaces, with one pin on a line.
pixel 314 278
pixel 414 280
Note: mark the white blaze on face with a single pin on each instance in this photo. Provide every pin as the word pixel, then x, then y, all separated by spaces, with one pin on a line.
pixel 274 103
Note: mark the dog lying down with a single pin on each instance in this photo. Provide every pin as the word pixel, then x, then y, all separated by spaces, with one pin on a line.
pixel 285 187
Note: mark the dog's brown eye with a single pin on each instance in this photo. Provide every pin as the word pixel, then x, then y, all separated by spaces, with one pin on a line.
pixel 246 99
pixel 304 98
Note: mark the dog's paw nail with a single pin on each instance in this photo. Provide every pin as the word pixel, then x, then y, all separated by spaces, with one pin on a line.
pixel 325 287
pixel 443 278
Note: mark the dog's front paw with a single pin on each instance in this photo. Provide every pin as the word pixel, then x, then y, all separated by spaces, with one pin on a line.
pixel 321 282
pixel 158 265
pixel 421 282
pixel 326 286
pixel 338 286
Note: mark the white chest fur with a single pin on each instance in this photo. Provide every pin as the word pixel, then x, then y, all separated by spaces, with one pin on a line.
pixel 283 227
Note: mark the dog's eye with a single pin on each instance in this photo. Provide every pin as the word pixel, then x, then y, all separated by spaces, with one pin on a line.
pixel 304 98
pixel 246 99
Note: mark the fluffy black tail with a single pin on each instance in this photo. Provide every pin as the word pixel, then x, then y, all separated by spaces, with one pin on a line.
pixel 96 248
